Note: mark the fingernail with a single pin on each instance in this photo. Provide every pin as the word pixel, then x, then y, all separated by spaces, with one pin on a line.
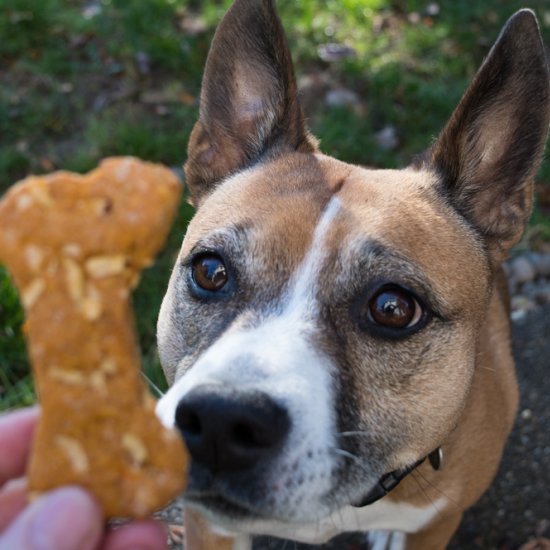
pixel 65 519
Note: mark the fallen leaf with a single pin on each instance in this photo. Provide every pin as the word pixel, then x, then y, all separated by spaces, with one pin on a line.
pixel 186 98
pixel 46 164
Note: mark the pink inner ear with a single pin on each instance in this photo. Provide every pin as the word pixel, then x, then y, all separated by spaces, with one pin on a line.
pixel 252 89
pixel 494 134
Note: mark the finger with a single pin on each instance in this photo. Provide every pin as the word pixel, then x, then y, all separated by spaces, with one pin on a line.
pixel 16 431
pixel 13 498
pixel 65 519
pixel 145 535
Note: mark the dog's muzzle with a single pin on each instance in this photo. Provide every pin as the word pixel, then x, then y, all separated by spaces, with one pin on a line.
pixel 230 430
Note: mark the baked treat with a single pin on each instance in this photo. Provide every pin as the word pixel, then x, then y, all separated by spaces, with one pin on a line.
pixel 75 246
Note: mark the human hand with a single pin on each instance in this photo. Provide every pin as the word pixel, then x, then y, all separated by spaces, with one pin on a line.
pixel 64 519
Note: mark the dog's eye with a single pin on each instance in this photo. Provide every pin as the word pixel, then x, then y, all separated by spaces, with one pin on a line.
pixel 395 308
pixel 209 272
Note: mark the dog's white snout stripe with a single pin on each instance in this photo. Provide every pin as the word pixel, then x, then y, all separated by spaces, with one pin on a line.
pixel 279 359
pixel 277 344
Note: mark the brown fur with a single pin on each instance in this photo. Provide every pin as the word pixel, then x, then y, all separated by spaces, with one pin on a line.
pixel 440 227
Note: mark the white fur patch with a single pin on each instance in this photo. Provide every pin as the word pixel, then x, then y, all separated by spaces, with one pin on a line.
pixel 242 542
pixel 386 540
pixel 278 358
pixel 380 517
pixel 303 287
pixel 278 341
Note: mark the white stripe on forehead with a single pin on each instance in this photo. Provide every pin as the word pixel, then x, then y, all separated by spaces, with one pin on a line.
pixel 302 285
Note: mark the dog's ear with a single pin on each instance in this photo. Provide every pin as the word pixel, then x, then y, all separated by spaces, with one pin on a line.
pixel 490 150
pixel 249 106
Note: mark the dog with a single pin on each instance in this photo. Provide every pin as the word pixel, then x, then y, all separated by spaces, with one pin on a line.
pixel 336 337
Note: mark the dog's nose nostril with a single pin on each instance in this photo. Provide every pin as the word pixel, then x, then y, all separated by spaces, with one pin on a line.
pixel 190 423
pixel 243 435
pixel 228 431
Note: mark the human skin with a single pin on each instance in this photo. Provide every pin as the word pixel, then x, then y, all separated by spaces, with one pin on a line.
pixel 67 518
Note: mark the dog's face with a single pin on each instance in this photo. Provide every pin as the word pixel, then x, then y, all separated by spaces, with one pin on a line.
pixel 344 307
pixel 320 324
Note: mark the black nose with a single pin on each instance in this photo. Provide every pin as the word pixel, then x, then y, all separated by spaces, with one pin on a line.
pixel 228 431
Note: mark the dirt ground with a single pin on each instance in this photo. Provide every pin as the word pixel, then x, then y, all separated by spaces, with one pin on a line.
pixel 516 509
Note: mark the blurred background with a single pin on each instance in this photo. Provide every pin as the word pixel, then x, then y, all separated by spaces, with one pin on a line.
pixel 82 80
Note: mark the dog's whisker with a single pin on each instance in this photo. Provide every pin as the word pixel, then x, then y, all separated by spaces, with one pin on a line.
pixel 436 488
pixel 347 454
pixel 488 368
pixel 152 385
pixel 428 498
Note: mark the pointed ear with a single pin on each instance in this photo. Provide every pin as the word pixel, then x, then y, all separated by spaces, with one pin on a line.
pixel 249 105
pixel 490 150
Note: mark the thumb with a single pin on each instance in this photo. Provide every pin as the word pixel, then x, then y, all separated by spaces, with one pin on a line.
pixel 64 519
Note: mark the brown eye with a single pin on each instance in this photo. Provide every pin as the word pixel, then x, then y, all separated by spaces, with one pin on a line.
pixel 209 272
pixel 394 308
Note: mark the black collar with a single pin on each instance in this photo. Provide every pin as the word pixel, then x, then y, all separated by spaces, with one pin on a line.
pixel 389 481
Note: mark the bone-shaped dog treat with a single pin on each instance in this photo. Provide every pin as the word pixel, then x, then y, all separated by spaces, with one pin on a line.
pixel 75 246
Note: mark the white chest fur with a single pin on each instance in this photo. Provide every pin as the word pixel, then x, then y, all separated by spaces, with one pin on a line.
pixel 380 519
pixel 386 540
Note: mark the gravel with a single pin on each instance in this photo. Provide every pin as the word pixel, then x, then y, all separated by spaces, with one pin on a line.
pixel 529 282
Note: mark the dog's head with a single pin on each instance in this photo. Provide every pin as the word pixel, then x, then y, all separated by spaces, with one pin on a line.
pixel 321 322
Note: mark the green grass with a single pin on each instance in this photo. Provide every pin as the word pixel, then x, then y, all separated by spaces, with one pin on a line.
pixel 73 90
pixel 148 296
pixel 15 385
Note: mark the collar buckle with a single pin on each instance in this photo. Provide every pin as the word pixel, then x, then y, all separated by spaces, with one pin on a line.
pixel 391 480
